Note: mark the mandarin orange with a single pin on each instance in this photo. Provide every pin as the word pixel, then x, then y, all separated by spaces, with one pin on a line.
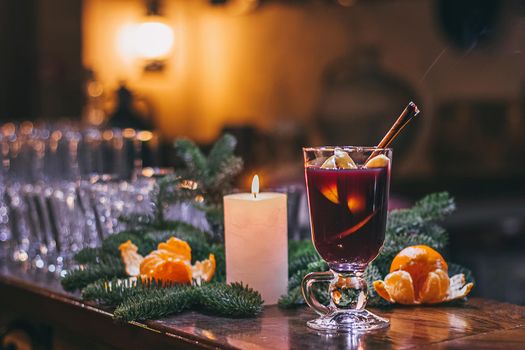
pixel 419 275
pixel 418 261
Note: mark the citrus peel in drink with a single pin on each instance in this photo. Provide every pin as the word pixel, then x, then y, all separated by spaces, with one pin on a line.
pixel 340 160
pixel 419 275
pixel 379 161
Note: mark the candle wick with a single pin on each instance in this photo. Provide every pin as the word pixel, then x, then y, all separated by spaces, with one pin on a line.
pixel 254 194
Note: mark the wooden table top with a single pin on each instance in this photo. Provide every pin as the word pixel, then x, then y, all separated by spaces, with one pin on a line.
pixel 481 323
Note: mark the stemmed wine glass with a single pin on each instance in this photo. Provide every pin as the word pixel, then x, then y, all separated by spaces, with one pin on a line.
pixel 348 210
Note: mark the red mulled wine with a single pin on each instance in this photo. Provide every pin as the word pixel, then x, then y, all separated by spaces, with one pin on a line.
pixel 348 210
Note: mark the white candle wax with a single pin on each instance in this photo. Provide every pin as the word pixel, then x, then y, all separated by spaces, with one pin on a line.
pixel 256 242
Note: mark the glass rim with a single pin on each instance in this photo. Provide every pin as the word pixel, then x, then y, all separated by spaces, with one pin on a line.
pixel 351 148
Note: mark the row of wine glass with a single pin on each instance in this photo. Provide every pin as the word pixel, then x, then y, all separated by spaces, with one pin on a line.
pixel 64 187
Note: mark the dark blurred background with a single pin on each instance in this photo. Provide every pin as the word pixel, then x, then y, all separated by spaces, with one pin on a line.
pixel 283 74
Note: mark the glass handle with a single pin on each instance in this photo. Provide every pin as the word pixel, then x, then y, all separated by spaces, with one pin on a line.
pixel 308 294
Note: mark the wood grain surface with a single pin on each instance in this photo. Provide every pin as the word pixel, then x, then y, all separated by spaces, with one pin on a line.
pixel 480 323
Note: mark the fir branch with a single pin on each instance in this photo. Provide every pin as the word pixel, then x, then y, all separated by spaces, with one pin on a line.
pixel 435 206
pixel 230 300
pixel 221 153
pixel 89 255
pixel 299 248
pixel 296 279
pixel 136 303
pixel 111 244
pixel 110 293
pixel 155 303
pixel 137 221
pixel 221 180
pixel 160 194
pixel 372 273
pixel 301 262
pixel 210 177
pixel 115 291
pixel 194 160
pixel 79 278
pixel 294 296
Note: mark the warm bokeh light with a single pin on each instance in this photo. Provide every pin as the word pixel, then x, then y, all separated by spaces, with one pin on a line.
pixel 150 40
pixel 144 135
pixel 107 135
pixel 8 129
pixel 154 39
pixel 129 133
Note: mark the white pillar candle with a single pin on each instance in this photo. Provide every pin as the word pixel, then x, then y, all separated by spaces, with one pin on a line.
pixel 256 241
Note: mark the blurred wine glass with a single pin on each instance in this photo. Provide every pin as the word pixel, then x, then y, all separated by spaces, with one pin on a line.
pixel 64 188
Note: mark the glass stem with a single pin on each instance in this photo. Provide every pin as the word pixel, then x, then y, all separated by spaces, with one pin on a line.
pixel 348 291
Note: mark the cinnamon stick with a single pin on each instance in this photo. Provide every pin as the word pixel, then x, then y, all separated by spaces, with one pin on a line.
pixel 404 118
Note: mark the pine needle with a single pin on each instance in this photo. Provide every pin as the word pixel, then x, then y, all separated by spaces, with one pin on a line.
pixel 155 303
pixel 230 300
pixel 105 269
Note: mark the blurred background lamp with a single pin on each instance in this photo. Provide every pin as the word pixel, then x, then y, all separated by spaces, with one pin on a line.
pixel 153 38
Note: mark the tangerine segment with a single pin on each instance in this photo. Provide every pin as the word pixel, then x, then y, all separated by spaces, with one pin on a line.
pixel 130 257
pixel 435 287
pixel 178 247
pixel 204 269
pixel 418 261
pixel 380 288
pixel 400 287
pixel 151 262
pixel 177 271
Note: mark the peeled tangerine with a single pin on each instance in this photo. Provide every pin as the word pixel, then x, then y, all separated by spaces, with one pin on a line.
pixel 419 275
pixel 170 262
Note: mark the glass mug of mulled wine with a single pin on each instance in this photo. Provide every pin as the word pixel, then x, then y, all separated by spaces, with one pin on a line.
pixel 348 190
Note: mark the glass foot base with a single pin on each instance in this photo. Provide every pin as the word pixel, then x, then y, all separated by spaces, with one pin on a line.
pixel 349 322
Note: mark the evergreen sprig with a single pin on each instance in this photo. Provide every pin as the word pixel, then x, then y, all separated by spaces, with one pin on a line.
pixel 89 255
pixel 204 180
pixel 137 303
pixel 107 268
pixel 115 291
pixel 201 181
pixel 230 300
pixel 155 303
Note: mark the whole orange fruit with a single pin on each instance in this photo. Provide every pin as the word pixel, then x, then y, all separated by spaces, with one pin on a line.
pixel 418 261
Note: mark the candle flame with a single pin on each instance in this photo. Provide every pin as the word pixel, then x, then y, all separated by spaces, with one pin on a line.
pixel 255 186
